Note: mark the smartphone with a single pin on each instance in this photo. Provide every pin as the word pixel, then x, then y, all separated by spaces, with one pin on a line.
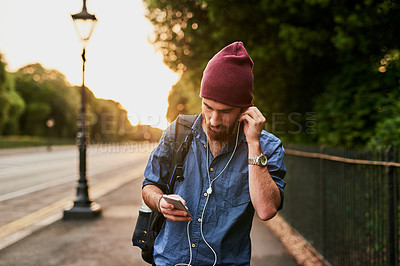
pixel 177 203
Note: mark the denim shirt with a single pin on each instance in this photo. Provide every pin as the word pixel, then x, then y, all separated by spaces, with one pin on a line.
pixel 228 215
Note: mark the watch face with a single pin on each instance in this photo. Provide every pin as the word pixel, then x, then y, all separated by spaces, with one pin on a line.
pixel 263 160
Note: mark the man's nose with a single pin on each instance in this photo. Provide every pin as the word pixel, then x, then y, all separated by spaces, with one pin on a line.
pixel 215 119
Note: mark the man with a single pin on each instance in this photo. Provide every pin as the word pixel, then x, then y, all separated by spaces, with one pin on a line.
pixel 232 169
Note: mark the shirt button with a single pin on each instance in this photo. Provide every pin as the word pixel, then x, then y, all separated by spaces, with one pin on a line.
pixel 205 194
pixel 205 146
pixel 199 220
pixel 193 245
pixel 211 169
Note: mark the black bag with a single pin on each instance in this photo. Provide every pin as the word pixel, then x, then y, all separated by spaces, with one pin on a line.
pixel 149 223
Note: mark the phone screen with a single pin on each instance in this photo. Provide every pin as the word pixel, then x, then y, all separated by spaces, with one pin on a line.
pixel 177 204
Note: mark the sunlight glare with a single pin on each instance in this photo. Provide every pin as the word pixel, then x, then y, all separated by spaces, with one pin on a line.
pixel 121 64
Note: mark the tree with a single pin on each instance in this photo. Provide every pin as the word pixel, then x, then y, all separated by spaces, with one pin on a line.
pixel 5 101
pixel 11 103
pixel 33 95
pixel 188 101
pixel 108 120
pixel 365 90
pixel 17 107
pixel 47 95
pixel 285 46
pixel 314 56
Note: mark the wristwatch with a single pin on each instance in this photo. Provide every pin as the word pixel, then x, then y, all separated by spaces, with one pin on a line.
pixel 260 160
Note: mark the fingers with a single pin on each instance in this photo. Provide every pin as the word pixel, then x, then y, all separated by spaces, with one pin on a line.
pixel 175 218
pixel 253 115
pixel 171 213
pixel 254 122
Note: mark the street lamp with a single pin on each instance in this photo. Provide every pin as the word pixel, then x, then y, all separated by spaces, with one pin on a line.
pixel 83 207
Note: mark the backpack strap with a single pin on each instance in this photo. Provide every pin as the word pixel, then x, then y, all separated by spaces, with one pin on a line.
pixel 183 139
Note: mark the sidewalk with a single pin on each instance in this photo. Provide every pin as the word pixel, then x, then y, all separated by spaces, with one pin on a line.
pixel 107 240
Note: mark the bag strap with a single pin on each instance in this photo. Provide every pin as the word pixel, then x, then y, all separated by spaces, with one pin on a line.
pixel 183 139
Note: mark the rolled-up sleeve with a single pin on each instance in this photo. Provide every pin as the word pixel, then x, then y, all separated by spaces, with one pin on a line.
pixel 276 165
pixel 158 166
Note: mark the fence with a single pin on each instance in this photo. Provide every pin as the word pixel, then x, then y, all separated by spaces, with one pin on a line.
pixel 344 202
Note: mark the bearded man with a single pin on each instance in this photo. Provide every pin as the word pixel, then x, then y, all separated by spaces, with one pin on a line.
pixel 232 170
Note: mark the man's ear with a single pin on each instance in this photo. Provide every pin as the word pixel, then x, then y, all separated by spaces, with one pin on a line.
pixel 238 117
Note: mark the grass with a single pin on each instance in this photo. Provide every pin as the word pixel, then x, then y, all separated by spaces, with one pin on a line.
pixel 8 142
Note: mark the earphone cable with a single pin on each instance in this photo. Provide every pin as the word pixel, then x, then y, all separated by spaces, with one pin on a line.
pixel 202 235
pixel 190 247
pixel 205 205
pixel 208 194
pixel 233 153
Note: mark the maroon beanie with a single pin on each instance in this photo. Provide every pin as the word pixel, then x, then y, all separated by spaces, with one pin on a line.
pixel 228 77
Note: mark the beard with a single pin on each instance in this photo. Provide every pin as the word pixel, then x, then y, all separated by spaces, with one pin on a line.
pixel 220 133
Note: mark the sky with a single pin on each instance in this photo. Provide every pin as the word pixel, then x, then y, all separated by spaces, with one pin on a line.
pixel 121 64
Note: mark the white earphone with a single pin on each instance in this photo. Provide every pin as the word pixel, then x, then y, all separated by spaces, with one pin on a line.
pixel 209 191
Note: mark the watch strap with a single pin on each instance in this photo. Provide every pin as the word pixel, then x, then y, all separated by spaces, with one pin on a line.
pixel 260 160
pixel 253 160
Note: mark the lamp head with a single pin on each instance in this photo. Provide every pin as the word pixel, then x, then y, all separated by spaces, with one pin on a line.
pixel 84 24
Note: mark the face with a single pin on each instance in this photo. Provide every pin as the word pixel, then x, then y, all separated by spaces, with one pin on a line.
pixel 219 119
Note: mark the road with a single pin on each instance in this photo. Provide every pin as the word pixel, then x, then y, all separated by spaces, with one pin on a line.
pixel 34 178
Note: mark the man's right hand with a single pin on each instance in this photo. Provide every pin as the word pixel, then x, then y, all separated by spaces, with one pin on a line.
pixel 171 213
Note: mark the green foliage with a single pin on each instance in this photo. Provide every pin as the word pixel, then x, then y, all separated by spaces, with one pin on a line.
pixel 314 56
pixel 5 107
pixel 188 101
pixel 48 96
pixel 177 27
pixel 4 95
pixel 36 114
pixel 3 72
pixel 387 129
pixel 109 121
pixel 361 99
pixel 11 104
pixel 286 44
pixel 17 107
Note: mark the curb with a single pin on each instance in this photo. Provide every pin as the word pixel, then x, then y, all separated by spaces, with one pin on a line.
pixel 297 246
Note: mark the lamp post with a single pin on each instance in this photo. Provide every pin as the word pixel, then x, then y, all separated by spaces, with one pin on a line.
pixel 83 207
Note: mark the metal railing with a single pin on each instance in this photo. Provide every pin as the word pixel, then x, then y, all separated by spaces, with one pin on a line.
pixel 345 203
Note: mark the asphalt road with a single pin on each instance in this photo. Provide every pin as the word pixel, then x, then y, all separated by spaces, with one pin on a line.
pixel 34 178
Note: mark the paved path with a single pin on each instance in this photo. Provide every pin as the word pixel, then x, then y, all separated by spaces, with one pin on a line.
pixel 107 240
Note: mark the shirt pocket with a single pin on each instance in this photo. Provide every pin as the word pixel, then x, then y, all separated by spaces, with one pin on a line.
pixel 235 188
